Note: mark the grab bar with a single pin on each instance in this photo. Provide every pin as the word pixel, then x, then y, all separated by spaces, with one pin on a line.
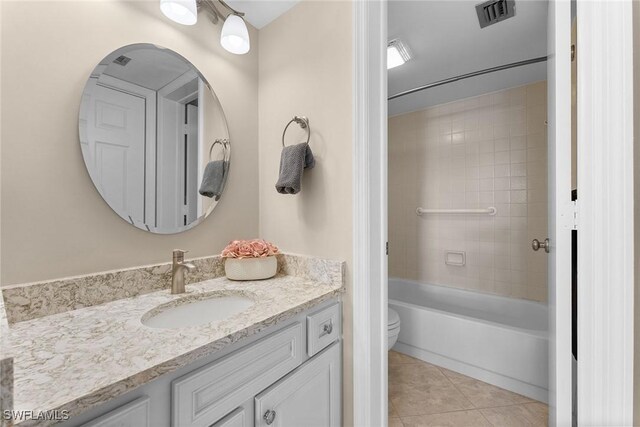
pixel 488 211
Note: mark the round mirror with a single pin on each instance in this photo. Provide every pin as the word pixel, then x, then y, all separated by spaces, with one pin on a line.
pixel 154 138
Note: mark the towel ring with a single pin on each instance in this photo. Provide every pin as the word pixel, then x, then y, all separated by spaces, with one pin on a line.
pixel 304 124
pixel 222 142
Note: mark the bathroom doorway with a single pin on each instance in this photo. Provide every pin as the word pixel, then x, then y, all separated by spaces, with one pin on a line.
pixel 606 73
pixel 460 274
pixel 468 193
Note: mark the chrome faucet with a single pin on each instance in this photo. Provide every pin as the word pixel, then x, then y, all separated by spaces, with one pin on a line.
pixel 177 271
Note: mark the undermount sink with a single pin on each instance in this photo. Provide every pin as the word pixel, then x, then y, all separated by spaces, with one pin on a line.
pixel 196 310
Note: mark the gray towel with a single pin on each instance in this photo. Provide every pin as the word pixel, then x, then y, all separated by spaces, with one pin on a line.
pixel 293 160
pixel 213 178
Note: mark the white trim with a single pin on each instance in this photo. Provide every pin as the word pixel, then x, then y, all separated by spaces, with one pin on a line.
pixel 177 83
pixel 605 203
pixel 203 152
pixel 559 151
pixel 370 214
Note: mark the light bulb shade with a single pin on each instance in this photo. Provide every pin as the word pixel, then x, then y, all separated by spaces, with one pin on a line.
pixel 397 54
pixel 183 12
pixel 235 36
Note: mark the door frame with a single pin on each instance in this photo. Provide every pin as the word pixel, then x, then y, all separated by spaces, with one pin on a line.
pixel 370 397
pixel 149 97
pixel 605 213
pixel 170 112
pixel 605 206
pixel 561 211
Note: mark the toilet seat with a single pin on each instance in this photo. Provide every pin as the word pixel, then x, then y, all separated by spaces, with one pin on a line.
pixel 393 320
pixel 393 328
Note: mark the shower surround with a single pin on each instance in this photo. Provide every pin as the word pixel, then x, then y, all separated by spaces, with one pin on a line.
pixel 489 150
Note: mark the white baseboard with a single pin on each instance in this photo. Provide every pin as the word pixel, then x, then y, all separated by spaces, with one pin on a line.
pixel 516 386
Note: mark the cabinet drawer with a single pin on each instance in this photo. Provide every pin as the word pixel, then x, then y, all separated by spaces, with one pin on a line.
pixel 206 395
pixel 133 414
pixel 323 328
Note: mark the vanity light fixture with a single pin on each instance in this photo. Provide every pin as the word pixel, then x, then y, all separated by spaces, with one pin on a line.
pixel 183 12
pixel 235 35
pixel 397 54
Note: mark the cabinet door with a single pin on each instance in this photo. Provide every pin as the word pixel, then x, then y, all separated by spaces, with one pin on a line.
pixel 133 414
pixel 237 418
pixel 207 394
pixel 310 396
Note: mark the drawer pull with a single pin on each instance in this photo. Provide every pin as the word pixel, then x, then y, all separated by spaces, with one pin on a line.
pixel 327 329
pixel 323 328
pixel 269 416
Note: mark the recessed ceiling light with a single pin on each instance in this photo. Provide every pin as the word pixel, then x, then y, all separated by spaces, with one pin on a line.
pixel 397 54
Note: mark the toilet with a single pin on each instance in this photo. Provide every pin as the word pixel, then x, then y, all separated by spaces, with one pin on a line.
pixel 393 328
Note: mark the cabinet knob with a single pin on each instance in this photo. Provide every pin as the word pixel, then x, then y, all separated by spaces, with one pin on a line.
pixel 536 245
pixel 327 328
pixel 269 416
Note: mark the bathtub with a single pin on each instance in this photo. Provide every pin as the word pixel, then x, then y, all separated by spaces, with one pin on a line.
pixel 498 340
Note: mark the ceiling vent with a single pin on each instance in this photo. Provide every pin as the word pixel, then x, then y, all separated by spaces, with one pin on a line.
pixel 494 11
pixel 122 60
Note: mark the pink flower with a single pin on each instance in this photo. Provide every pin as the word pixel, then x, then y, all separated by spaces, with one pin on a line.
pixel 256 248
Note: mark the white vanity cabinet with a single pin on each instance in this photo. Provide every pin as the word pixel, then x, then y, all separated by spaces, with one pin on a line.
pixel 309 396
pixel 238 418
pixel 289 375
pixel 209 393
pixel 132 414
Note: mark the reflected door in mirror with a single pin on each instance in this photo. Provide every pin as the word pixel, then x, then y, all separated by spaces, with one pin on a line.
pixel 117 148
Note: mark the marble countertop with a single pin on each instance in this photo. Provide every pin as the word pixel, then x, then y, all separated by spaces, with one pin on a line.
pixel 6 364
pixel 81 358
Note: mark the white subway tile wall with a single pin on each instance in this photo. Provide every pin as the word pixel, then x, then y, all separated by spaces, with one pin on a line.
pixel 489 150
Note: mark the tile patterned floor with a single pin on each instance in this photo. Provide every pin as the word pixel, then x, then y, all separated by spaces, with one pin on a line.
pixel 425 395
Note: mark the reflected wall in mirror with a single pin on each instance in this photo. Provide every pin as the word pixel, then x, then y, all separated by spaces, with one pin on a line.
pixel 154 138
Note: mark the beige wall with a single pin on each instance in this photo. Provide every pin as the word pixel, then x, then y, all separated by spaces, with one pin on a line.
pixel 489 150
pixel 305 69
pixel 54 222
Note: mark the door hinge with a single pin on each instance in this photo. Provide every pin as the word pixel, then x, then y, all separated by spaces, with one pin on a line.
pixel 387 248
pixel 569 216
pixel 571 220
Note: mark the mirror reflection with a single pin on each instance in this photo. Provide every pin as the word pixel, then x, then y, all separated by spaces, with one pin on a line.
pixel 154 138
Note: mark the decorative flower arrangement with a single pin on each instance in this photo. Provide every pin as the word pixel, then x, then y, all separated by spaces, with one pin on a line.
pixel 256 248
pixel 250 259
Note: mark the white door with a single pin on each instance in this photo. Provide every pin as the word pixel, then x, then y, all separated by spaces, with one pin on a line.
pixel 116 143
pixel 560 212
pixel 310 396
